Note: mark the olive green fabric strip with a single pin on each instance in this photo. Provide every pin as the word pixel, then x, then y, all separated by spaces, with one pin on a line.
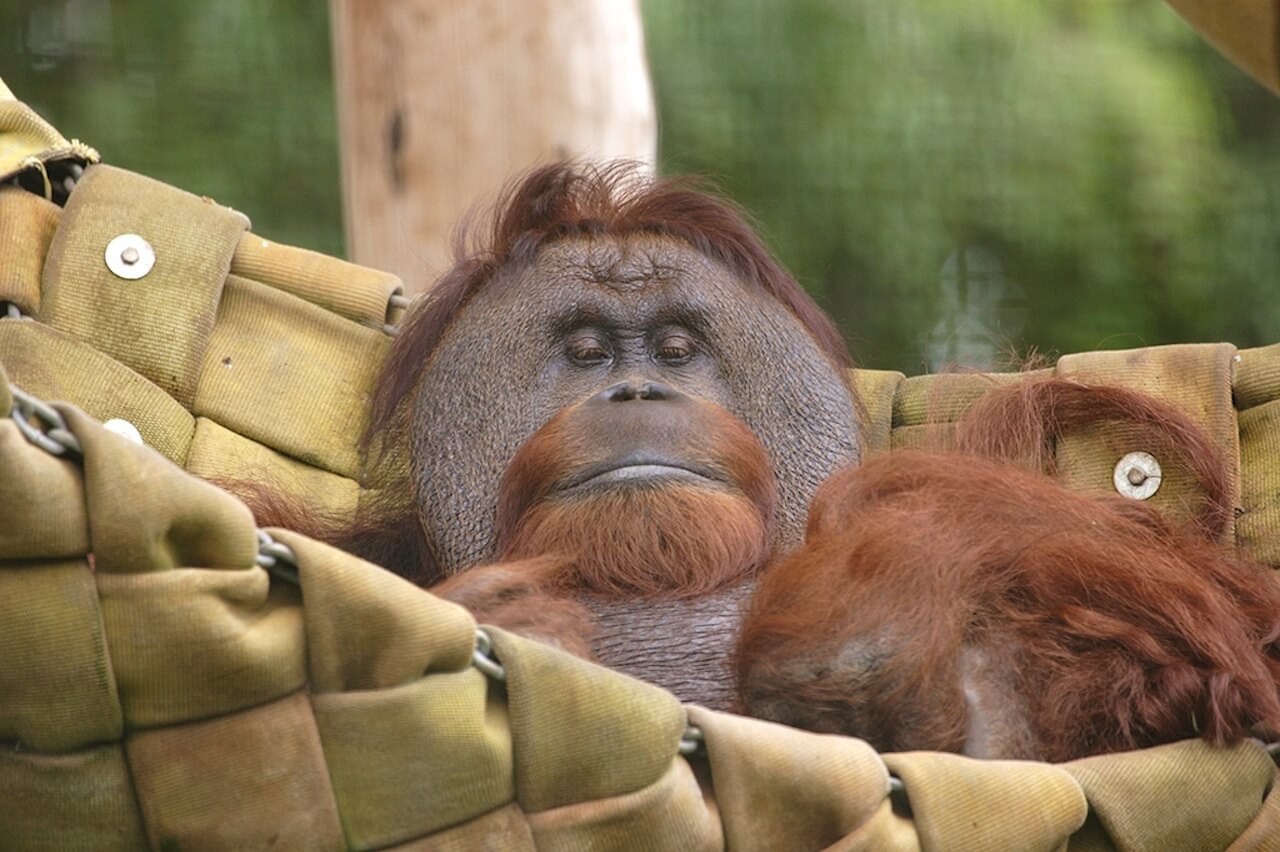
pixel 503 830
pixel 290 375
pixel 961 803
pixel 890 829
pixel 877 390
pixel 582 732
pixel 55 365
pixel 193 643
pixel 80 801
pixel 229 459
pixel 27 222
pixel 923 437
pixel 1258 526
pixel 411 760
pixel 36 487
pixel 1196 379
pixel 1188 795
pixel 1257 379
pixel 26 138
pixel 358 293
pixel 369 629
pixel 57 688
pixel 250 780
pixel 945 397
pixel 6 395
pixel 1263 834
pixel 668 814
pixel 764 786
pixel 157 325
pixel 146 514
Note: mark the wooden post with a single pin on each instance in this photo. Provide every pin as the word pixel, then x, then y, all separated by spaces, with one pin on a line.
pixel 441 101
pixel 1246 31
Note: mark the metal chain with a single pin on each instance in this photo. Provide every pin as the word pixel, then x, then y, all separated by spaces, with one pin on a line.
pixel 692 741
pixel 280 561
pixel 276 558
pixel 395 302
pixel 10 310
pixel 49 432
pixel 482 657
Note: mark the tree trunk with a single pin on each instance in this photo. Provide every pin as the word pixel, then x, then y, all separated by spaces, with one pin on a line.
pixel 1246 31
pixel 440 102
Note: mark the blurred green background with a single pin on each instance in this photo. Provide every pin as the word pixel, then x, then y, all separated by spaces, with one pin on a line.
pixel 955 182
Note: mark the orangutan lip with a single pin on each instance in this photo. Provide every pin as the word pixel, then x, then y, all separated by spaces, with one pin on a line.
pixel 639 470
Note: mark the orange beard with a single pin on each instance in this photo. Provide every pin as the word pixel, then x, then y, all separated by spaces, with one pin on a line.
pixel 657 540
pixel 666 537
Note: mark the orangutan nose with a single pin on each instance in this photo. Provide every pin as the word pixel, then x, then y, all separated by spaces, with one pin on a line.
pixel 639 390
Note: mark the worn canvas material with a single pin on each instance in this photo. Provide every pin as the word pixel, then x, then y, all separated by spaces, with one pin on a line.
pixel 159 689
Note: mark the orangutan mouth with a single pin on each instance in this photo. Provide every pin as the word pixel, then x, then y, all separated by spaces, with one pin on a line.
pixel 639 470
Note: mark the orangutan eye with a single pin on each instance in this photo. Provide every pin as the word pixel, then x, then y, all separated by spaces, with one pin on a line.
pixel 588 351
pixel 674 348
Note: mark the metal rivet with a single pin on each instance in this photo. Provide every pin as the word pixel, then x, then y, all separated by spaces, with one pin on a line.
pixel 129 256
pixel 1137 476
pixel 124 428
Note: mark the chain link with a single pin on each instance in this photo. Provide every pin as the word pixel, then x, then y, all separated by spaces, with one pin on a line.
pixel 692 742
pixel 482 657
pixel 49 432
pixel 399 303
pixel 9 310
pixel 277 559
pixel 280 561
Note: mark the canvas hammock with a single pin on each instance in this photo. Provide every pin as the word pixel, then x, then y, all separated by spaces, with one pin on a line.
pixel 170 678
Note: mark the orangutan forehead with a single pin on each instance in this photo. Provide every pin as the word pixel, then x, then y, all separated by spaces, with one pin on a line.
pixel 626 265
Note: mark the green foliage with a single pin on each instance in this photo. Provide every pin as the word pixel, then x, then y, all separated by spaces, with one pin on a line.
pixel 1087 145
pixel 950 179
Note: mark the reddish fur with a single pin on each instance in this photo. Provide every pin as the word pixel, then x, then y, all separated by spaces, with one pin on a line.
pixel 377 541
pixel 515 595
pixel 1123 630
pixel 1118 628
pixel 382 541
pixel 273 506
pixel 664 541
pixel 672 540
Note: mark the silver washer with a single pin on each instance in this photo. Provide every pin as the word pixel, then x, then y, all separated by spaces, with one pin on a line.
pixel 1137 476
pixel 129 256
pixel 123 427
